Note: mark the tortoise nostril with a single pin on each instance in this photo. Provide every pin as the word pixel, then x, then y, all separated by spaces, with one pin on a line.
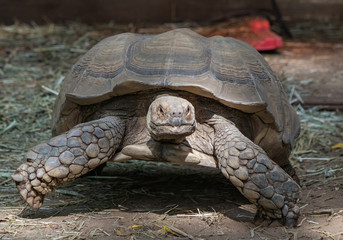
pixel 176 113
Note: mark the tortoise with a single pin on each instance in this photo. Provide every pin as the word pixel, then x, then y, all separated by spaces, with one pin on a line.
pixel 175 97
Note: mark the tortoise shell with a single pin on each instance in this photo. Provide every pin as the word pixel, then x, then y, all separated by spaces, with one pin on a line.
pixel 221 68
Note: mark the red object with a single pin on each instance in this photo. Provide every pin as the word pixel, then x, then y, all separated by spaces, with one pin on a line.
pixel 261 37
pixel 253 30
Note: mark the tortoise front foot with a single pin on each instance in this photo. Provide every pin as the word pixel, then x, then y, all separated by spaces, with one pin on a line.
pixel 256 176
pixel 66 157
pixel 33 184
pixel 290 215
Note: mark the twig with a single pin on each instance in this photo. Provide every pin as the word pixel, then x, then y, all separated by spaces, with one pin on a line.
pixel 301 159
pixel 322 211
pixel 49 90
pixel 6 181
pixel 178 231
pixel 11 125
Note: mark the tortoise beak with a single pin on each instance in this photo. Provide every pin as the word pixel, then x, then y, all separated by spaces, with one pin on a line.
pixel 176 121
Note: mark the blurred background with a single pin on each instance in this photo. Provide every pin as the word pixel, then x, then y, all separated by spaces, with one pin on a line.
pixel 155 11
pixel 40 40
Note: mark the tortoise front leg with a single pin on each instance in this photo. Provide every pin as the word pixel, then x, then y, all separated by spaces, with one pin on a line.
pixel 66 157
pixel 255 175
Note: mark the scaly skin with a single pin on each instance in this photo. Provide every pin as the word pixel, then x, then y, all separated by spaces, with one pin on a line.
pixel 255 175
pixel 66 157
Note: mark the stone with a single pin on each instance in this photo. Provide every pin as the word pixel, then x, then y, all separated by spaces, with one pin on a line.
pixel 296 210
pixel 267 192
pixel 235 181
pixel 86 137
pixel 247 154
pixel 266 203
pixel 58 141
pixel 66 157
pixel 234 152
pixel 99 132
pixel 242 173
pixel 260 168
pixel 241 146
pixel 260 180
pixel 51 163
pixel 271 214
pixel 265 161
pixel 80 161
pixel 92 150
pixel 59 172
pixel 75 132
pixel 278 200
pixel 93 163
pixel 290 215
pixel 74 142
pixel 75 169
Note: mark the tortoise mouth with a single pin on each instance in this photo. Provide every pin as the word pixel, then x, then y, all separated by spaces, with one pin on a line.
pixel 171 133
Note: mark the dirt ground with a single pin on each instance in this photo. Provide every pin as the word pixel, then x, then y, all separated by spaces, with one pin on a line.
pixel 144 200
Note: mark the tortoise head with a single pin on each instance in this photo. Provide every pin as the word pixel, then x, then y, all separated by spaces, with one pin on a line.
pixel 170 119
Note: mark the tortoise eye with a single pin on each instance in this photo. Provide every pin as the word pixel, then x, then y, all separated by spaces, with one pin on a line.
pixel 161 110
pixel 188 110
